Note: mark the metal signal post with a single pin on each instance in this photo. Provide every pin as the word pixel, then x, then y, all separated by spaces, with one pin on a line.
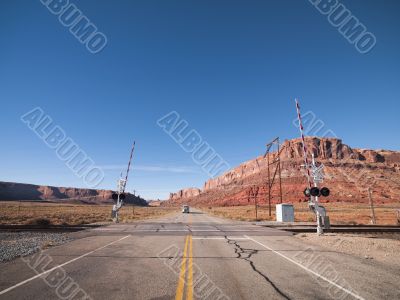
pixel 317 176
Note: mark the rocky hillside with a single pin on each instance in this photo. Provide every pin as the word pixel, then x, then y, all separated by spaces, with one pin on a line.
pixel 185 193
pixel 348 173
pixel 22 191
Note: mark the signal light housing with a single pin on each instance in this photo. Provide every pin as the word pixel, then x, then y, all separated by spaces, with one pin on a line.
pixel 316 192
pixel 115 196
pixel 325 192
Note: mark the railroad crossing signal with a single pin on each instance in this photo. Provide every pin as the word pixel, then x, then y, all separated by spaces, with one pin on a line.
pixel 315 176
pixel 119 196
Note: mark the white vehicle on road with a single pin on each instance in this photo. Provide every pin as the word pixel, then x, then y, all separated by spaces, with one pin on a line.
pixel 185 209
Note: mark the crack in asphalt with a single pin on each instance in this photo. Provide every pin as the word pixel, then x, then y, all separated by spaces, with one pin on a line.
pixel 246 254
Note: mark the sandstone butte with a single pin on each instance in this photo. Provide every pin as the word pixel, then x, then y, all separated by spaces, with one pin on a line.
pixel 22 191
pixel 348 174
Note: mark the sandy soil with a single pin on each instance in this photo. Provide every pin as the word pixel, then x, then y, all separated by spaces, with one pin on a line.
pixel 73 214
pixel 380 247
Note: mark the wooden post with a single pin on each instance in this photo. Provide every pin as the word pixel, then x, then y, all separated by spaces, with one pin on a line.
pixel 371 203
pixel 280 175
pixel 269 187
pixel 276 159
pixel 255 201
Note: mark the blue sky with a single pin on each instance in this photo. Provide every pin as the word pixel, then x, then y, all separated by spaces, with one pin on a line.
pixel 230 68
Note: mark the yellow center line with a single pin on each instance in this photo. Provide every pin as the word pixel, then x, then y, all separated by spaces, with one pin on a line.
pixel 181 282
pixel 189 288
pixel 189 292
pixel 187 256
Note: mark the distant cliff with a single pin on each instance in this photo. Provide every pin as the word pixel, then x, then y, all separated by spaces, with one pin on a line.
pixel 349 172
pixel 185 193
pixel 22 191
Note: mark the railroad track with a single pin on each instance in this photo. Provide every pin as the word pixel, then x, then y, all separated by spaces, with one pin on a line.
pixel 50 228
pixel 290 228
pixel 340 228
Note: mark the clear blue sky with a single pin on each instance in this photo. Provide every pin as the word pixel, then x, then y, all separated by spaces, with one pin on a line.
pixel 230 68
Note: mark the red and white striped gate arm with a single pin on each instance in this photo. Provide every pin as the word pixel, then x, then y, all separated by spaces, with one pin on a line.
pixel 305 153
pixel 129 164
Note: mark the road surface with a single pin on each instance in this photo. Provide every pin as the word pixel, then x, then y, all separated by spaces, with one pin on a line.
pixel 194 256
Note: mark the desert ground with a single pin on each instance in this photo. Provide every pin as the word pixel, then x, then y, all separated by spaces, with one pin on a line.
pixel 73 214
pixel 382 247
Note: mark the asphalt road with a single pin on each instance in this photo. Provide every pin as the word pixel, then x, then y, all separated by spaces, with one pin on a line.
pixel 194 256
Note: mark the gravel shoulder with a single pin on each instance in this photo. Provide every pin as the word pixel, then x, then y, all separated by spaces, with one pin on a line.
pixel 16 244
pixel 380 247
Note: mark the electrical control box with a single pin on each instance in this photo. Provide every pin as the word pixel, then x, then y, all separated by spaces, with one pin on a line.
pixel 284 213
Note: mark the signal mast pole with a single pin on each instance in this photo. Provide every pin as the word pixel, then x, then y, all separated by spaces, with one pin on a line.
pixel 121 185
pixel 314 174
pixel 317 178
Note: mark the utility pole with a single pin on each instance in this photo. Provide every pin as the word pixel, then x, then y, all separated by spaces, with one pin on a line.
pixel 269 187
pixel 255 194
pixel 371 204
pixel 133 203
pixel 275 160
pixel 398 216
pixel 280 175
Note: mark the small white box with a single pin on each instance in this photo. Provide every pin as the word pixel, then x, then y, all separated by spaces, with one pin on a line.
pixel 284 213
